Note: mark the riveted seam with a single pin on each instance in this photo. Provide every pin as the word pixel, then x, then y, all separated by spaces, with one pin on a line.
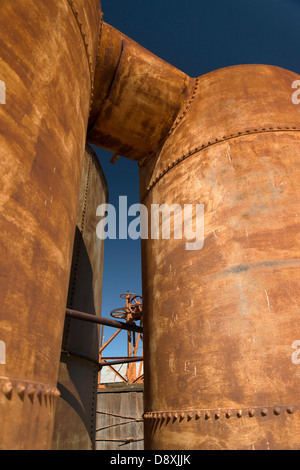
pixel 22 387
pixel 219 413
pixel 210 143
pixel 85 42
pixel 184 112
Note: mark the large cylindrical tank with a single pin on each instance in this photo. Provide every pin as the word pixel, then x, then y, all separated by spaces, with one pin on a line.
pixel 48 57
pixel 221 321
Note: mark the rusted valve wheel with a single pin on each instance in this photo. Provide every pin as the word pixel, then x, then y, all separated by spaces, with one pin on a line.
pixel 137 304
pixel 120 313
pixel 127 294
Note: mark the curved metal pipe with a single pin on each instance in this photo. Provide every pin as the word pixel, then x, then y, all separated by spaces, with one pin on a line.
pixel 137 97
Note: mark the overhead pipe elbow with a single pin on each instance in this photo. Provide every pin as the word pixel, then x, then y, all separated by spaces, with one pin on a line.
pixel 137 97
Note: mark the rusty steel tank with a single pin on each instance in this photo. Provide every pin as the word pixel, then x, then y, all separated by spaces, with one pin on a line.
pixel 48 58
pixel 220 321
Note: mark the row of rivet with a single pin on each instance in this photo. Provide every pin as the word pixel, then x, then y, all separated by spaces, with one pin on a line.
pixel 22 388
pixel 209 414
pixel 210 143
pixel 83 35
pixel 179 119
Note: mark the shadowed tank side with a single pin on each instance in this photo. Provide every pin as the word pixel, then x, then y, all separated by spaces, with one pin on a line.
pixel 75 417
pixel 229 311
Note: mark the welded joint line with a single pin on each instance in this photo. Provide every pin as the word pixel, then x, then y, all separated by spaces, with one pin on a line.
pixel 115 72
pixel 198 149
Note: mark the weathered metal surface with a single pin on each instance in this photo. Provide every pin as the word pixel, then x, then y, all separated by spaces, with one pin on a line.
pixel 137 97
pixel 120 417
pixel 44 64
pixel 221 321
pixel 75 416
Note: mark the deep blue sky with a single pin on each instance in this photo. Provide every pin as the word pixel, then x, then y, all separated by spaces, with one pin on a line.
pixel 197 37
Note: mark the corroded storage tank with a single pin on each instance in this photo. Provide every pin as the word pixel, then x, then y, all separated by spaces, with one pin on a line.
pixel 75 417
pixel 221 321
pixel 48 57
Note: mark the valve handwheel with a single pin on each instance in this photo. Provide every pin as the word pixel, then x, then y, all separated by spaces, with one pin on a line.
pixel 120 313
pixel 132 310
